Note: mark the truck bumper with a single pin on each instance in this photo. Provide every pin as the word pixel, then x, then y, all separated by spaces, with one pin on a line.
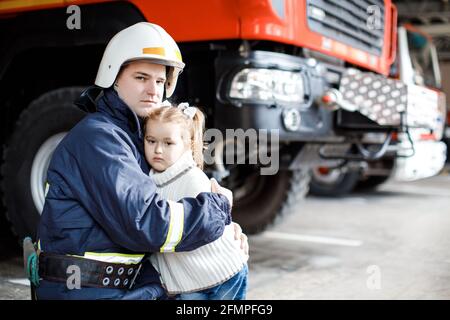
pixel 427 161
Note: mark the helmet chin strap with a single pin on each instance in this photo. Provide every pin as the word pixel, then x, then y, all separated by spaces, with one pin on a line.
pixel 165 88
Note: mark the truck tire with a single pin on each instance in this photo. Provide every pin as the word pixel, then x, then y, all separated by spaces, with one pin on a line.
pixel 26 156
pixel 269 198
pixel 370 183
pixel 332 182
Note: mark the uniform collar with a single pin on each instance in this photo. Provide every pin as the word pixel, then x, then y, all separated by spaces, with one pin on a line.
pixel 112 104
pixel 181 166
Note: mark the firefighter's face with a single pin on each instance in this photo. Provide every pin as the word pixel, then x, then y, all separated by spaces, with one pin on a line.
pixel 140 85
pixel 164 144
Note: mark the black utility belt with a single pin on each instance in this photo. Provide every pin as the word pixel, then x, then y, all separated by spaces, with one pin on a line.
pixel 91 273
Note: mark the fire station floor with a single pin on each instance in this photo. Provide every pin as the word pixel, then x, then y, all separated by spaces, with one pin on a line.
pixel 389 244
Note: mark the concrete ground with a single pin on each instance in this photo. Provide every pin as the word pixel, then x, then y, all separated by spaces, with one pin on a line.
pixel 389 244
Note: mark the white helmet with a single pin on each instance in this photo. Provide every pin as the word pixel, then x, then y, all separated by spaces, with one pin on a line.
pixel 142 40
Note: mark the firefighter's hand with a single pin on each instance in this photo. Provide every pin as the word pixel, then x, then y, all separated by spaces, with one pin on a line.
pixel 216 188
pixel 239 235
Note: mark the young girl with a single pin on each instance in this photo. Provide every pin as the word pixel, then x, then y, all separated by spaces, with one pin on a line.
pixel 174 150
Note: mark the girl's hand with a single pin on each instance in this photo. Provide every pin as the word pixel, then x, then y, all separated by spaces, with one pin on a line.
pixel 216 188
pixel 239 235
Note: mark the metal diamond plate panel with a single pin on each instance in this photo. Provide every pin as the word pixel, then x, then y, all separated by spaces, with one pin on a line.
pixel 384 100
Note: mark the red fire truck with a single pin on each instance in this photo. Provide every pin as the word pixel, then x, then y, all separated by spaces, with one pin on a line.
pixel 251 64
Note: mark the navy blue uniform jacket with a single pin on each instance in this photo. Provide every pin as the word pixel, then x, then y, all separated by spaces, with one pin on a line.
pixel 101 199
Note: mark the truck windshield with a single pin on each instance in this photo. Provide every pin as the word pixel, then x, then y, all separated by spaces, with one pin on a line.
pixel 421 52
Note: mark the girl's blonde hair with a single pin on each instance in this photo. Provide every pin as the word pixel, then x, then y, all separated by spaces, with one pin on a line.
pixel 194 126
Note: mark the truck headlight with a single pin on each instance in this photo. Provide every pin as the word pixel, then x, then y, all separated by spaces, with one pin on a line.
pixel 268 85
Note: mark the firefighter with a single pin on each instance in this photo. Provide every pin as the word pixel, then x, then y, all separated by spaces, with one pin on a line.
pixel 101 214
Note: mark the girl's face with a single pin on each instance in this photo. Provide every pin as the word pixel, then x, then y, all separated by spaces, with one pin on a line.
pixel 141 86
pixel 164 144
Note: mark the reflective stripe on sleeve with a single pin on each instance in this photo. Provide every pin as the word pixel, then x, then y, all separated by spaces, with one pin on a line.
pixel 176 226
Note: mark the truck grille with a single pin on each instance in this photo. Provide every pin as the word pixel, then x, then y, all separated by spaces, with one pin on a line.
pixel 347 21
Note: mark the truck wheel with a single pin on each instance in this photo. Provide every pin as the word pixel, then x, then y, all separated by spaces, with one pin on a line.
pixel 327 182
pixel 26 156
pixel 261 200
pixel 371 183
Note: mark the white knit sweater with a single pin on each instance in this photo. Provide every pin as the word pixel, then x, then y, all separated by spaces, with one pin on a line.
pixel 208 265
